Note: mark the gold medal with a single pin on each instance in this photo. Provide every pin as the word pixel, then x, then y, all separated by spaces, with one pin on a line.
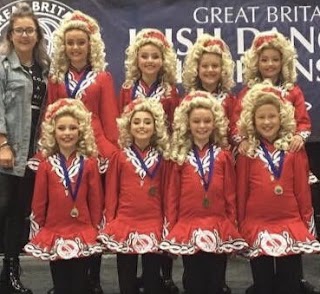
pixel 152 191
pixel 205 202
pixel 74 212
pixel 278 190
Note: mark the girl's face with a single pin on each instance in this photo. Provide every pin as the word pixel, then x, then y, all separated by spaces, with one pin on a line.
pixel 270 64
pixel 267 122
pixel 150 61
pixel 77 47
pixel 24 35
pixel 142 128
pixel 201 123
pixel 209 71
pixel 67 134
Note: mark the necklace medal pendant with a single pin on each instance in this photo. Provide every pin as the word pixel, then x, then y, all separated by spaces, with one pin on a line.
pixel 74 212
pixel 152 191
pixel 205 202
pixel 278 190
pixel 141 183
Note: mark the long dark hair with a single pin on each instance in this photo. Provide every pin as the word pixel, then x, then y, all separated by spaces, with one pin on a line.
pixel 40 55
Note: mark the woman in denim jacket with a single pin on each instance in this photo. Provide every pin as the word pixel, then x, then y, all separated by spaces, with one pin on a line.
pixel 23 77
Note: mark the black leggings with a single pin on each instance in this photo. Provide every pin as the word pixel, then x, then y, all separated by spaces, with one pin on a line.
pixel 127 272
pixel 204 273
pixel 15 207
pixel 70 276
pixel 276 274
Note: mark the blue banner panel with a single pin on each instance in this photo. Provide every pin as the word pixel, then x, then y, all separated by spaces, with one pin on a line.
pixel 182 21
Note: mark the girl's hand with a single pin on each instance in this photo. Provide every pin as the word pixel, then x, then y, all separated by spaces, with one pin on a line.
pixel 296 144
pixel 6 157
pixel 243 147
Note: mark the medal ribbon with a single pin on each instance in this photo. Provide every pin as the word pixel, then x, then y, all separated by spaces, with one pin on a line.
pixel 206 182
pixel 80 82
pixel 67 178
pixel 143 164
pixel 149 93
pixel 275 171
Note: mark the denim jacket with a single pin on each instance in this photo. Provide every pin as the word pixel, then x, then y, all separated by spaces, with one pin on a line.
pixel 16 89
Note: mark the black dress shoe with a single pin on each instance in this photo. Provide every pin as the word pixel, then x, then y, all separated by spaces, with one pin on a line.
pixel 308 288
pixel 225 290
pixel 250 290
pixel 96 289
pixel 51 291
pixel 170 287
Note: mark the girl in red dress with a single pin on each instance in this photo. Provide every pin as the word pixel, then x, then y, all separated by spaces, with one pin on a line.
pixel 150 69
pixel 273 57
pixel 134 194
pixel 209 67
pixel 200 205
pixel 68 198
pixel 78 71
pixel 275 213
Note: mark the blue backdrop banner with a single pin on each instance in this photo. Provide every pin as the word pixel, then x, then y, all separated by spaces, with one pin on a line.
pixel 182 21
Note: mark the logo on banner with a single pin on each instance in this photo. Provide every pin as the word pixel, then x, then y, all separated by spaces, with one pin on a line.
pixel 49 14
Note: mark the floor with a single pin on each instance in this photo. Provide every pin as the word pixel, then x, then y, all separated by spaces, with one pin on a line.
pixel 36 275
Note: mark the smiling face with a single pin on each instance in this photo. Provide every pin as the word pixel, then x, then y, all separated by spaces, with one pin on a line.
pixel 201 124
pixel 142 128
pixel 267 121
pixel 24 36
pixel 77 47
pixel 67 134
pixel 209 71
pixel 149 62
pixel 270 64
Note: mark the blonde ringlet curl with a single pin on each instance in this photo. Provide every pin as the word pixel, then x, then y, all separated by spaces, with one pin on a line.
pixel 67 107
pixel 288 74
pixel 169 68
pixel 190 77
pixel 160 140
pixel 80 21
pixel 181 142
pixel 257 96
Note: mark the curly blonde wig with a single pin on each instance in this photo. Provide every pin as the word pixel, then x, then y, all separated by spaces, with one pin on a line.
pixel 262 94
pixel 77 21
pixel 181 137
pixel 155 37
pixel 270 40
pixel 160 140
pixel 207 44
pixel 76 109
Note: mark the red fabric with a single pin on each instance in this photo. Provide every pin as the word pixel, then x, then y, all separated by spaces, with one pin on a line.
pixel 134 217
pixel 260 210
pixel 186 215
pixel 51 207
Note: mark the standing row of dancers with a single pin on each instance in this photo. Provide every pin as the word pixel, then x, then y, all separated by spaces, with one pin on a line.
pixel 171 186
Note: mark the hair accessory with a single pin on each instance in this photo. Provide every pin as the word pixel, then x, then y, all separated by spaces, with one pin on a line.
pixel 130 107
pixel 263 40
pixel 82 18
pixel 214 42
pixel 157 35
pixel 195 94
pixel 53 108
pixel 275 91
